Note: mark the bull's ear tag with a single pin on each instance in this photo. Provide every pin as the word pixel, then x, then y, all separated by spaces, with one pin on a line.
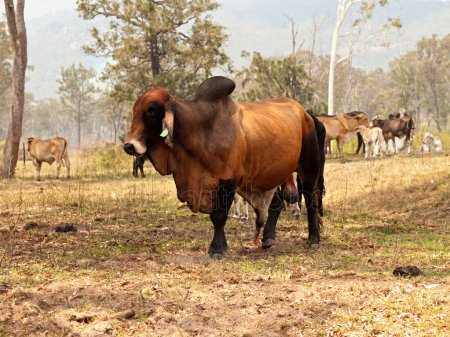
pixel 164 133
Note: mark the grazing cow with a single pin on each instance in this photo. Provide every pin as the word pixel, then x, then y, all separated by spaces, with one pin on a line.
pixel 373 140
pixel 138 165
pixel 214 147
pixel 396 126
pixel 431 143
pixel 49 151
pixel 342 127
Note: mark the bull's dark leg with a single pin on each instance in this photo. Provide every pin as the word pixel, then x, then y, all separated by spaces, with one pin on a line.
pixel 222 202
pixel 360 144
pixel 275 208
pixel 135 167
pixel 310 163
pixel 141 167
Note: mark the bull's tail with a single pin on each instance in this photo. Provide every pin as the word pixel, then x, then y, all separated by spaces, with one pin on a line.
pixel 321 135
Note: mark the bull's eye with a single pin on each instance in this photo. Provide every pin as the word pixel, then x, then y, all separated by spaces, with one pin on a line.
pixel 154 112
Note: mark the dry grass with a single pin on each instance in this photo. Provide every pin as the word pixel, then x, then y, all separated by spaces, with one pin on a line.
pixel 136 249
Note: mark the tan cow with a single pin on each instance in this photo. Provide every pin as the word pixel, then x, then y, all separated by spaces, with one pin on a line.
pixel 49 151
pixel 342 127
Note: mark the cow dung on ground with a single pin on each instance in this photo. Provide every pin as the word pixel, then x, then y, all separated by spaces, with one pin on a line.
pixel 65 228
pixel 407 271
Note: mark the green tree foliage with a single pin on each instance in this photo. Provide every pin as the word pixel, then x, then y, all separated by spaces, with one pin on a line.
pixel 433 55
pixel 173 43
pixel 77 92
pixel 272 77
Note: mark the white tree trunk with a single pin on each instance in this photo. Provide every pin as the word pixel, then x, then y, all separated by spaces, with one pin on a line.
pixel 334 44
pixel 343 6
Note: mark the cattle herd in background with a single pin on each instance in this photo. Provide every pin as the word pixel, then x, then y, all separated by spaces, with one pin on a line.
pixel 381 136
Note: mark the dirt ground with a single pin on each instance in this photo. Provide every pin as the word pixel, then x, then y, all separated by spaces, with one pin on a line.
pixel 137 265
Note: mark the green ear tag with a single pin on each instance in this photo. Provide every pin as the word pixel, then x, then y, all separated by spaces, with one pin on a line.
pixel 164 133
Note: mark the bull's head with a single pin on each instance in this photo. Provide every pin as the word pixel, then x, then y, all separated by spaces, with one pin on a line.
pixel 172 133
pixel 29 142
pixel 146 127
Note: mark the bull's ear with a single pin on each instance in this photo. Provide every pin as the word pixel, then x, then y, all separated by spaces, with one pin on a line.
pixel 215 88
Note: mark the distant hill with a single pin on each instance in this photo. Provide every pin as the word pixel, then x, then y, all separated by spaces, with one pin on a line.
pixel 55 39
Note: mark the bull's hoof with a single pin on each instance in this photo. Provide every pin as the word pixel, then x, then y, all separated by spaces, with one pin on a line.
pixel 313 243
pixel 216 256
pixel 216 253
pixel 268 243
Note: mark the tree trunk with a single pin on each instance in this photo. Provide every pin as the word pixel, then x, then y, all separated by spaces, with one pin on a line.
pixel 79 128
pixel 154 56
pixel 332 68
pixel 18 34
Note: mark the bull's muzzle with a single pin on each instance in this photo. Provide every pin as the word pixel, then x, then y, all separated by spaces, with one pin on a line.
pixel 129 148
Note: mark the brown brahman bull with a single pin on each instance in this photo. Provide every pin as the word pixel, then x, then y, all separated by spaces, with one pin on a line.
pixel 214 147
pixel 342 127
pixel 49 151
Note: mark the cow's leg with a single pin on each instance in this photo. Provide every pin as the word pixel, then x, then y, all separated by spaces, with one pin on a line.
pixel 37 165
pixel 409 145
pixel 309 170
pixel 376 149
pixel 141 167
pixel 236 207
pixel 244 215
pixel 222 203
pixel 58 168
pixel 361 143
pixel 275 208
pixel 135 167
pixel 339 143
pixel 368 150
pixel 67 165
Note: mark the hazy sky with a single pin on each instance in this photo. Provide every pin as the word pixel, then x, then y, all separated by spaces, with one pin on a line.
pixel 262 25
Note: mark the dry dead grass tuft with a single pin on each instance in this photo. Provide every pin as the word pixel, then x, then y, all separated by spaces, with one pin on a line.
pixel 135 249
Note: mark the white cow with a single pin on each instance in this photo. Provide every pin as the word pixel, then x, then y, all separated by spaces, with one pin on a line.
pixel 373 140
pixel 431 143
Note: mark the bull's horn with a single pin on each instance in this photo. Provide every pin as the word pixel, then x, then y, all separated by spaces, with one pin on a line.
pixel 215 88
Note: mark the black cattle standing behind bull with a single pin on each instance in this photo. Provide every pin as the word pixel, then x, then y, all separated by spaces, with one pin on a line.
pixel 138 166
